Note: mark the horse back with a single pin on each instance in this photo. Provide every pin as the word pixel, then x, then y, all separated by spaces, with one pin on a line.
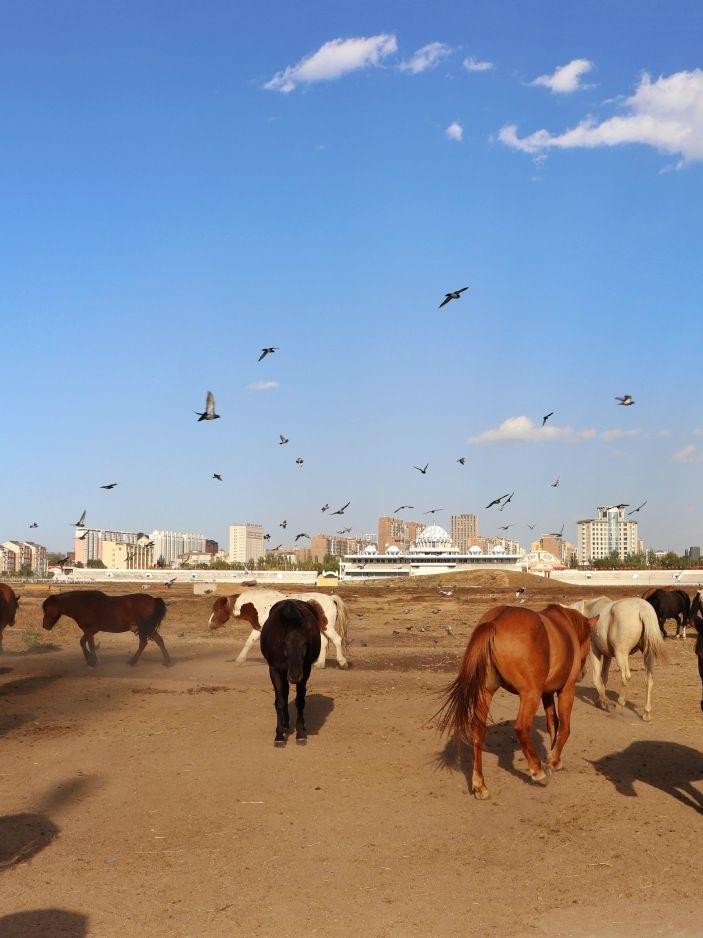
pixel 567 631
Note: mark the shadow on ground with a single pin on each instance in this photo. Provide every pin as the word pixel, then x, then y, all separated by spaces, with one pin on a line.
pixel 46 922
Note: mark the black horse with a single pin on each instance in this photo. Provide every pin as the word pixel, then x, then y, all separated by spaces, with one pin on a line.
pixel 671 604
pixel 697 620
pixel 290 643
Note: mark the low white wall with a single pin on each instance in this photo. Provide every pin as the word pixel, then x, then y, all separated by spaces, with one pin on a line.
pixel 643 578
pixel 301 577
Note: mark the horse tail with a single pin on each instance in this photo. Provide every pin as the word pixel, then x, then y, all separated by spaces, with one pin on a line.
pixel 342 623
pixel 153 621
pixel 463 696
pixel 652 642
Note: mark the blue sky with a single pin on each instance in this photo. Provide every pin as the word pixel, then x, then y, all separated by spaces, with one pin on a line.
pixel 166 215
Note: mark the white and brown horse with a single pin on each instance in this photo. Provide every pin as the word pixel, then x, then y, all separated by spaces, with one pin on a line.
pixel 253 606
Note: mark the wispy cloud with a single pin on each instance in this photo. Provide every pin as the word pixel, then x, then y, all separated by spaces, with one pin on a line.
pixel 663 433
pixel 425 58
pixel 687 454
pixel 666 114
pixel 524 430
pixel 618 434
pixel 476 65
pixel 698 431
pixel 566 78
pixel 617 453
pixel 263 386
pixel 333 59
pixel 455 131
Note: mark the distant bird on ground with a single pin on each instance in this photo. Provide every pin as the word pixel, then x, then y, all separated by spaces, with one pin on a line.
pixel 402 508
pixel 325 507
pixel 169 583
pixel 461 460
pixel 423 471
pixel 639 508
pixel 454 295
pixel 267 351
pixel 209 412
pixel 340 511
pixel 557 534
pixel 344 531
pixel 267 537
pixel 504 527
pixel 216 475
pixel 298 536
pixel 547 416
pixel 299 462
pixel 283 524
pixel 496 501
pixel 34 525
pixel 519 591
pixel 555 483
pixel 447 592
pixel 282 440
pixel 433 511
pixel 112 485
pixel 81 521
pixel 625 400
pixel 531 527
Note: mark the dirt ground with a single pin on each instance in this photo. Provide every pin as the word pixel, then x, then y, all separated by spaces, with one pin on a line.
pixel 152 802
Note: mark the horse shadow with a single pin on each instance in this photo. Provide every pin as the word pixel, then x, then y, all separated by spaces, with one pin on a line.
pixel 670 767
pixel 590 695
pixel 27 685
pixel 500 741
pixel 318 707
pixel 44 922
pixel 12 721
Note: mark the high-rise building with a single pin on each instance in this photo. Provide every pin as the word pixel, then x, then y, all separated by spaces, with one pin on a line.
pixel 246 542
pixel 694 553
pixel 170 545
pixel 87 542
pixel 556 546
pixel 464 531
pixel 139 556
pixel 16 555
pixel 394 532
pixel 338 545
pixel 609 532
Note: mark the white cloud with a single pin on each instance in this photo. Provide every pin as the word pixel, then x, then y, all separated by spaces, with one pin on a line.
pixel 262 386
pixel 455 131
pixel 476 65
pixel 426 57
pixel 566 78
pixel 523 429
pixel 666 114
pixel 688 454
pixel 618 434
pixel 333 59
pixel 663 433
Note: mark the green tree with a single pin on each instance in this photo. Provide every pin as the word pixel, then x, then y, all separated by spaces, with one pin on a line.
pixel 95 565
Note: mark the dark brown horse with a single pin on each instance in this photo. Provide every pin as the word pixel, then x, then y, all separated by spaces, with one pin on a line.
pixel 670 603
pixel 9 601
pixel 533 654
pixel 94 611
pixel 290 643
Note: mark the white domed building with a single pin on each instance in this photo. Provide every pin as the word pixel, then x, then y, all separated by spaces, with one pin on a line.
pixel 434 540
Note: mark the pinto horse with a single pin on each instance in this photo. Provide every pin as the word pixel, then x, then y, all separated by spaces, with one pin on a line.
pixel 254 606
pixel 94 611
pixel 290 643
pixel 671 603
pixel 9 601
pixel 536 655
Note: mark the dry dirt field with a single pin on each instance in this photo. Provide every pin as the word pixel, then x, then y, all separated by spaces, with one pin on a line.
pixel 152 802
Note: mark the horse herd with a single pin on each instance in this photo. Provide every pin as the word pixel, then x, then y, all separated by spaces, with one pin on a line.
pixel 539 656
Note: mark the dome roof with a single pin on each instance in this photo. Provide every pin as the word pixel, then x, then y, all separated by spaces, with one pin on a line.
pixel 434 534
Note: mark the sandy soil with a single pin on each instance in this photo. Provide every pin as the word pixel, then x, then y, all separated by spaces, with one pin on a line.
pixel 152 802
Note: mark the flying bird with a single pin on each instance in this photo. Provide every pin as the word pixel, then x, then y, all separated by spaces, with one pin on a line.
pixel 282 440
pixel 299 462
pixel 531 527
pixel 555 483
pixel 625 400
pixel 639 508
pixel 63 562
pixel 433 511
pixel 34 525
pixel 496 501
pixel 557 534
pixel 504 527
pixel 341 510
pixel 325 507
pixel 267 351
pixel 454 295
pixel 423 471
pixel 547 416
pixel 216 475
pixel 169 583
pixel 112 485
pixel 82 537
pixel 298 536
pixel 462 460
pixel 81 521
pixel 209 412
pixel 507 501
pixel 267 537
pixel 277 547
pixel 283 524
pixel 402 508
pixel 447 592
pixel 344 531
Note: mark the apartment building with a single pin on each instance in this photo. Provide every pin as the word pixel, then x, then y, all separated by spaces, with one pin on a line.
pixel 609 532
pixel 464 532
pixel 246 543
pixel 395 532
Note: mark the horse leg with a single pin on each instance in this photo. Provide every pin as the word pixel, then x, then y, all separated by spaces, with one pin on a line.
pixel 91 648
pixel 90 656
pixel 336 639
pixel 564 705
pixel 301 733
pixel 160 642
pixel 649 678
pixel 550 713
pixel 138 653
pixel 662 628
pixel 599 664
pixel 623 661
pixel 529 701
pixel 253 637
pixel 280 687
pixel 322 659
pixel 478 736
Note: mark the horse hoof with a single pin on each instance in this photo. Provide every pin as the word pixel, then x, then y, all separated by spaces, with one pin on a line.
pixel 91 662
pixel 647 716
pixel 544 776
pixel 557 766
pixel 301 740
pixel 279 743
pixel 168 664
pixel 343 665
pixel 481 793
pixel 238 663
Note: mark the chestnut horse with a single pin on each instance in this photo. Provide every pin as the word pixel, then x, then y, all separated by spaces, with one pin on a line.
pixel 94 611
pixel 290 643
pixel 533 654
pixel 9 601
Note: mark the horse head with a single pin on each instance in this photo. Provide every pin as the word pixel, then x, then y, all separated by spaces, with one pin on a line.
pixel 52 612
pixel 222 609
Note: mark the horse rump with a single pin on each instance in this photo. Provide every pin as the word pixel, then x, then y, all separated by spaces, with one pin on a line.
pixel 462 699
pixel 151 624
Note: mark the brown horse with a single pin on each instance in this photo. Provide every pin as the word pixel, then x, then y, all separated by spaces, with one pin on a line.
pixel 533 654
pixel 9 601
pixel 94 611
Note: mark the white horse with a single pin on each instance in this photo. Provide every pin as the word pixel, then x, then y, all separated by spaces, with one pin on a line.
pixel 624 626
pixel 254 605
